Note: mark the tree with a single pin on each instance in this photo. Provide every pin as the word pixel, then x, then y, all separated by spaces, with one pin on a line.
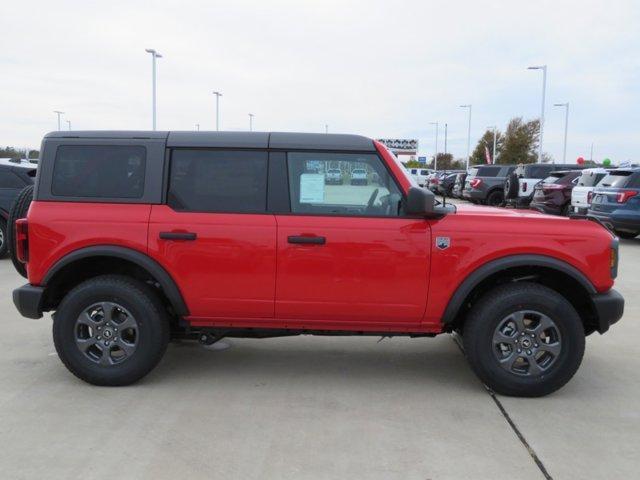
pixel 446 162
pixel 11 152
pixel 520 142
pixel 478 156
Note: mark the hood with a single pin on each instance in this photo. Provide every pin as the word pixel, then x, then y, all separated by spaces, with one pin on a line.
pixel 501 212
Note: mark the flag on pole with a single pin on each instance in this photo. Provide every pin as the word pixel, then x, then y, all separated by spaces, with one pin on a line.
pixel 487 155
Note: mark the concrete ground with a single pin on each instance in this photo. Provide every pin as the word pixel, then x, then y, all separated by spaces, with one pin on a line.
pixel 316 408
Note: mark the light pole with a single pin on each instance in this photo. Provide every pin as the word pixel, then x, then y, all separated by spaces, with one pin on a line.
pixel 154 56
pixel 544 91
pixel 251 115
pixel 218 95
pixel 566 128
pixel 493 152
pixel 326 128
pixel 68 124
pixel 445 138
pixel 435 155
pixel 468 133
pixel 197 127
pixel 59 113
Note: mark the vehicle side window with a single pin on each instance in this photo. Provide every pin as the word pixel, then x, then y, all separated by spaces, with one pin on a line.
pixel 366 189
pixel 203 180
pixel 8 179
pixel 99 171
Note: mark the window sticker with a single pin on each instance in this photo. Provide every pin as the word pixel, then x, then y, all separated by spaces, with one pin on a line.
pixel 312 188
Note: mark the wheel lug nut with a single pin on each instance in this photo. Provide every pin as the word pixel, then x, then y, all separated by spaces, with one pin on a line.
pixel 106 343
pixel 516 340
pixel 519 351
pixel 535 345
pixel 533 336
pixel 99 337
pixel 528 351
pixel 99 328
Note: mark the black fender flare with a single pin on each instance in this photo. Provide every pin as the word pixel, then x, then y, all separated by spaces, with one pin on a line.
pixel 473 280
pixel 158 272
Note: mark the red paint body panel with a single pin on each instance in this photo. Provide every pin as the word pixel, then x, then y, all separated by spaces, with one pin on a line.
pixel 481 234
pixel 370 270
pixel 229 270
pixel 59 228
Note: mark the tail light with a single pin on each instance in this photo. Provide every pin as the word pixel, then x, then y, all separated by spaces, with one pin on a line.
pixel 589 197
pixel 524 186
pixel 625 195
pixel 475 183
pixel 435 181
pixel 22 240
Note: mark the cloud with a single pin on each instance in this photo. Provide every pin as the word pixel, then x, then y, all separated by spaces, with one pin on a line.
pixel 377 68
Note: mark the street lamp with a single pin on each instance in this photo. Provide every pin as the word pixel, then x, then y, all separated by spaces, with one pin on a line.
pixel 566 127
pixel 218 95
pixel 197 127
pixel 154 56
pixel 544 90
pixel 493 152
pixel 468 134
pixel 435 155
pixel 326 128
pixel 59 113
pixel 251 115
pixel 68 124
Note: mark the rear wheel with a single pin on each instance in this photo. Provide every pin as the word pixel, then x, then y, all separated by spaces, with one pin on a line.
pixel 18 210
pixel 495 198
pixel 524 339
pixel 111 330
pixel 627 235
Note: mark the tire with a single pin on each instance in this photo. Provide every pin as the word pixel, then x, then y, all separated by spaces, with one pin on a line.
pixel 18 210
pixel 627 235
pixel 3 238
pixel 495 198
pixel 499 307
pixel 132 300
pixel 511 186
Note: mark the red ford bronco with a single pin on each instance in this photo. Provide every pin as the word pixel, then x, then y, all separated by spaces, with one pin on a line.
pixel 135 238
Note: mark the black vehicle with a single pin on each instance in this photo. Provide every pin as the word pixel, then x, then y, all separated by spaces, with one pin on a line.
pixel 15 174
pixel 553 194
pixel 446 182
pixel 616 202
pixel 520 184
pixel 485 184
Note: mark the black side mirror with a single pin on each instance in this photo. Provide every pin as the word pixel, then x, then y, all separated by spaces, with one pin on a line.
pixel 420 201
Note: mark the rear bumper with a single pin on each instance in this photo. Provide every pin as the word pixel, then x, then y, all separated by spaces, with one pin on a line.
pixel 28 300
pixel 609 308
pixel 474 194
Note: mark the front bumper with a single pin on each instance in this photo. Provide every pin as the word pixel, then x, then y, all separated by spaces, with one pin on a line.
pixel 28 300
pixel 609 308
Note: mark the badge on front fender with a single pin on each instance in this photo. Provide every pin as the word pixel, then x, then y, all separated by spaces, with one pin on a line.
pixel 443 242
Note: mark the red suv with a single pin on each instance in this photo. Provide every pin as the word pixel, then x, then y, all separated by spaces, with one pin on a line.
pixel 135 238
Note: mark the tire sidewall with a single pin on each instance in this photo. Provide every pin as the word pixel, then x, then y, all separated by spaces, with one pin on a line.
pixel 151 335
pixel 4 248
pixel 484 362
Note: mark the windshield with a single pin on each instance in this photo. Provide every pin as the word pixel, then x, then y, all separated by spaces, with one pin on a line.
pixel 358 171
pixel 590 179
pixel 403 171
pixel 333 170
pixel 553 178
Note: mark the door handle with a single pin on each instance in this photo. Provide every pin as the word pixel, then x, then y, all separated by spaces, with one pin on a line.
pixel 178 235
pixel 306 240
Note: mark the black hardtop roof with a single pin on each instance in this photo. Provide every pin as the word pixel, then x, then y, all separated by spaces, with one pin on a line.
pixel 276 140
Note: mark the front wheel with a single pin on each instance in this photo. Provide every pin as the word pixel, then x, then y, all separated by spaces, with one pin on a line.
pixel 524 339
pixel 111 330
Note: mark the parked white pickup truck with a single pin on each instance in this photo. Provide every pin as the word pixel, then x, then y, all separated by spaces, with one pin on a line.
pixel 581 193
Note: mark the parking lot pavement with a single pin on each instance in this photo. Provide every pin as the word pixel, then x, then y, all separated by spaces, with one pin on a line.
pixel 306 407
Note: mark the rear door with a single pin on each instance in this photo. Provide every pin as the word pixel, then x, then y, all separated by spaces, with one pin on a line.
pixel 346 255
pixel 214 234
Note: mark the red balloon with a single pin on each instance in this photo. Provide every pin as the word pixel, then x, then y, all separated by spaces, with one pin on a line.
pixel 580 161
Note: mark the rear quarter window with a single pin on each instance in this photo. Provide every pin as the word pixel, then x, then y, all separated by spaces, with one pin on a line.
pixel 616 179
pixel 99 171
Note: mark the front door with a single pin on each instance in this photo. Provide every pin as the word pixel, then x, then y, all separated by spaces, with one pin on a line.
pixel 214 235
pixel 345 252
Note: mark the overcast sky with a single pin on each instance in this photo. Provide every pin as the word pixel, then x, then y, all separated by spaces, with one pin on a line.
pixel 378 68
